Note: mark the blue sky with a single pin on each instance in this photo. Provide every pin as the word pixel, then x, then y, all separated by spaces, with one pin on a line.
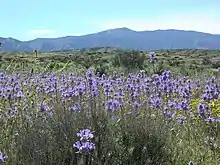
pixel 29 19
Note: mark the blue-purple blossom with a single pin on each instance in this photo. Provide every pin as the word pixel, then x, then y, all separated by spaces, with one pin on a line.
pixel 136 105
pixel 210 120
pixel 202 109
pixel 112 105
pixel 84 146
pixel 181 119
pixel 89 73
pixel 169 114
pixel 184 106
pixel 75 107
pixel 43 107
pixel 3 157
pixel 152 56
pixel 85 134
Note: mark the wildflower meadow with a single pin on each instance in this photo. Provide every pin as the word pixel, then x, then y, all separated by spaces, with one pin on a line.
pixel 50 118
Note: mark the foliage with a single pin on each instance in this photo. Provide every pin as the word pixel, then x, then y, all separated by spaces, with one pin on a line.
pixel 54 110
pixel 206 60
pixel 129 59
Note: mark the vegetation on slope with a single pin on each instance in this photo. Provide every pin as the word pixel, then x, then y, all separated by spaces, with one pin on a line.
pixel 115 107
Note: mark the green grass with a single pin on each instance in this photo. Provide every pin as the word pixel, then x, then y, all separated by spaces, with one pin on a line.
pixel 53 61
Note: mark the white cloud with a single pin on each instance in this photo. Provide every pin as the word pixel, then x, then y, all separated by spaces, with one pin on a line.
pixel 48 33
pixel 42 31
pixel 38 33
pixel 197 22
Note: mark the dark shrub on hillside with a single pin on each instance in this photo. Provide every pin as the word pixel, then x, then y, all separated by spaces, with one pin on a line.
pixel 129 59
pixel 206 60
pixel 216 64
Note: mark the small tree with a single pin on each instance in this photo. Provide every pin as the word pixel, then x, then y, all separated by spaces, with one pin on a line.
pixel 36 52
pixel 0 49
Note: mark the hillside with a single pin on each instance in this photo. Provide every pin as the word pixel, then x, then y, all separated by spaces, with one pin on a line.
pixel 120 37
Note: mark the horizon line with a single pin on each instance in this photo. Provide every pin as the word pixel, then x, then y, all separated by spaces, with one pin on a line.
pixel 112 29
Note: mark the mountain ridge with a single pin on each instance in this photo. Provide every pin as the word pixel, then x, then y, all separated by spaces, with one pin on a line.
pixel 120 37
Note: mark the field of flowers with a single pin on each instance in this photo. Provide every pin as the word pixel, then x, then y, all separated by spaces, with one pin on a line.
pixel 67 119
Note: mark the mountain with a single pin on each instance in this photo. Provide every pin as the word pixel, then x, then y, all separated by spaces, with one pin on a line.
pixel 12 45
pixel 122 38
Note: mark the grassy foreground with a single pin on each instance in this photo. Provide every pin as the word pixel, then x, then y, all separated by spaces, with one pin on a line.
pixel 51 118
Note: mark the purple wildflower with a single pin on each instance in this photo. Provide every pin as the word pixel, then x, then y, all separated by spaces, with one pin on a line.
pixel 84 146
pixel 152 56
pixel 85 134
pixel 210 120
pixel 112 105
pixel 89 73
pixel 3 157
pixel 181 119
pixel 201 109
pixel 75 107
pixel 43 107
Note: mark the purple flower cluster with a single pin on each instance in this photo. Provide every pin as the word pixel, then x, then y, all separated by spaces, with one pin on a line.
pixel 165 94
pixel 178 99
pixel 3 157
pixel 84 145
pixel 152 56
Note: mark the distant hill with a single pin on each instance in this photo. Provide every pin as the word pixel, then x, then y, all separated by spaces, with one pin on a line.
pixel 122 38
